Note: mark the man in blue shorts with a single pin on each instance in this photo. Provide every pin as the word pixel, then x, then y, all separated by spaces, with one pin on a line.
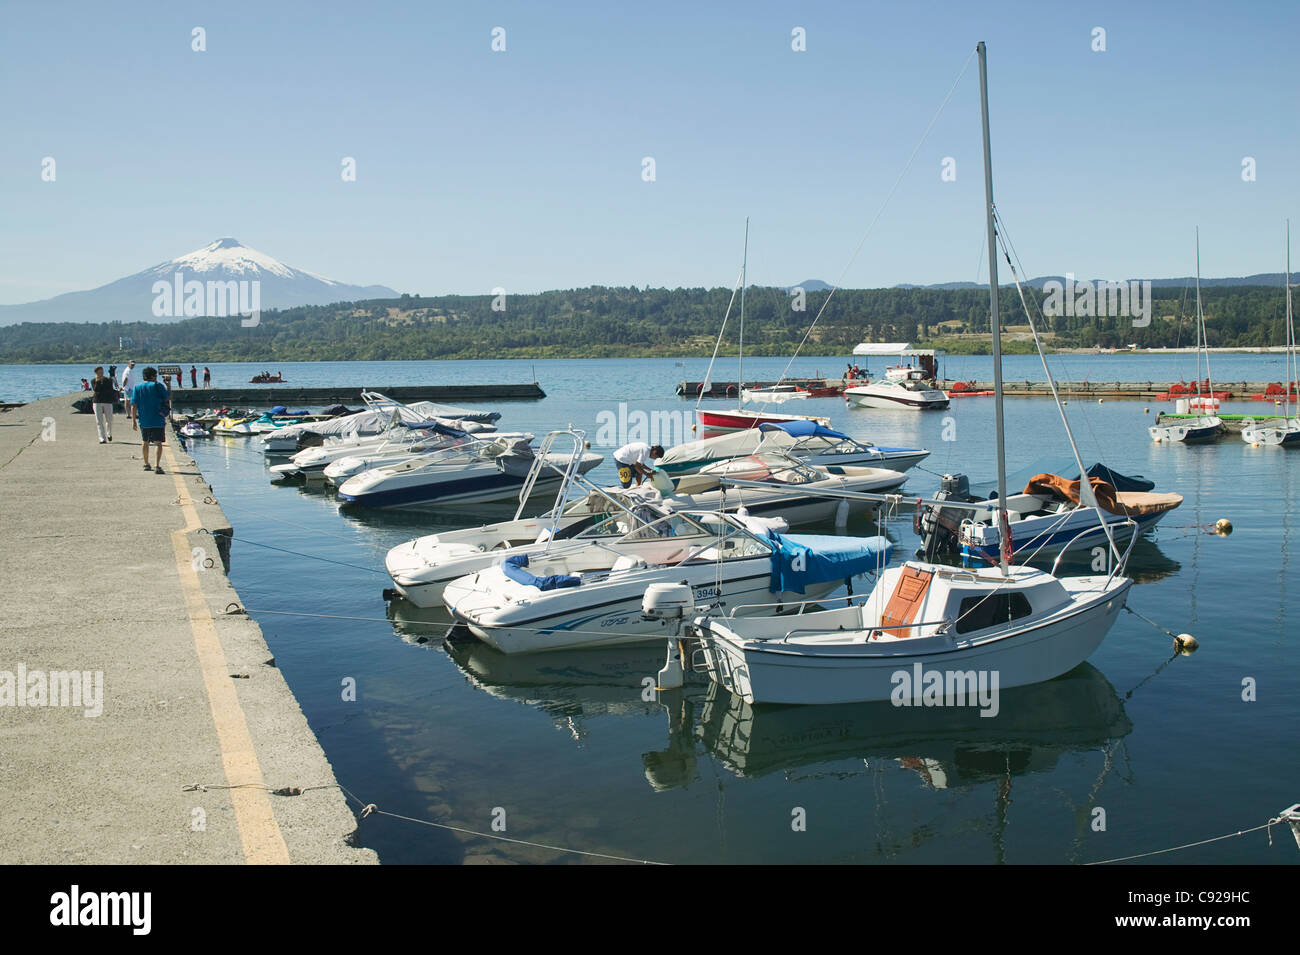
pixel 148 399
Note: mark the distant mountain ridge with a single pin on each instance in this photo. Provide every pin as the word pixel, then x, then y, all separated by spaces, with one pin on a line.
pixel 1274 279
pixel 136 298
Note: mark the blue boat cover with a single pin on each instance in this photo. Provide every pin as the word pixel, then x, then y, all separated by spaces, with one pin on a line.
pixel 799 560
pixel 435 427
pixel 1120 482
pixel 513 567
pixel 278 409
pixel 802 429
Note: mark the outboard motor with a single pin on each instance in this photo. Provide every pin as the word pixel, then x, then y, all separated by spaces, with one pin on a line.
pixel 939 524
pixel 670 603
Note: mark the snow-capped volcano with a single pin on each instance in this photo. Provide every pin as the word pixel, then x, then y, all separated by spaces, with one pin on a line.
pixel 143 298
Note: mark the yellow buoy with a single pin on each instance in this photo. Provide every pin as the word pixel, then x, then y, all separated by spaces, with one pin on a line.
pixel 1223 526
pixel 1185 644
pixel 692 427
pixel 1146 410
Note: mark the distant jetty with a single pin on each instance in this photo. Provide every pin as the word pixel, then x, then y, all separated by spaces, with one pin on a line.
pixel 258 395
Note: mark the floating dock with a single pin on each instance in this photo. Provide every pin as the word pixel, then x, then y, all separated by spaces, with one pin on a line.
pixel 1237 390
pixel 1232 422
pixel 114 578
pixel 269 395
pixel 727 389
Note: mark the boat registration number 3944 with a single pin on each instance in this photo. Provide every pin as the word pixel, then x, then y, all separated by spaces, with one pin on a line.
pixel 705 593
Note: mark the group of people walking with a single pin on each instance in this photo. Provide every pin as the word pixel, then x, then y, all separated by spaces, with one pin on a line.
pixel 147 400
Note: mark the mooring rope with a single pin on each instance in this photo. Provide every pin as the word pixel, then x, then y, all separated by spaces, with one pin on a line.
pixel 372 809
pixel 1285 816
pixel 285 550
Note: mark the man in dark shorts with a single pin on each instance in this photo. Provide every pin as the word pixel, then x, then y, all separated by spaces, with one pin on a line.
pixel 634 462
pixel 194 377
pixel 148 400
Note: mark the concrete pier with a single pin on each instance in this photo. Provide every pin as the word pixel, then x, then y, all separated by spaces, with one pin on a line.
pixel 112 574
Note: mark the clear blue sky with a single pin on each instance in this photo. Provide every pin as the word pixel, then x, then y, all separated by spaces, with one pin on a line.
pixel 522 169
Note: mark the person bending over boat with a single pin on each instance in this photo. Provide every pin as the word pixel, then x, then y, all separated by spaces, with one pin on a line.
pixel 633 461
pixel 148 401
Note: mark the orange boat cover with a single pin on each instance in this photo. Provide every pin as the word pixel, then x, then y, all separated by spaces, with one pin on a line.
pixel 1125 503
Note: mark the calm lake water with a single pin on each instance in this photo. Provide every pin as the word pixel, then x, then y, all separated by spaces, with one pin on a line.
pixel 567 749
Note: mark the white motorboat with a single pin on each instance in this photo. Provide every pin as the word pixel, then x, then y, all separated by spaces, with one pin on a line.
pixel 399 440
pixel 929 634
pixel 777 485
pixel 1203 428
pixel 374 421
pixel 806 440
pixel 775 393
pixel 421 568
pixel 913 392
pixel 589 593
pixel 366 459
pixel 1284 430
pixel 1047 518
pixel 476 471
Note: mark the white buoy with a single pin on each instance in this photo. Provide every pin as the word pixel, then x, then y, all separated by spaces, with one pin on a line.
pixel 1223 526
pixel 842 515
pixel 1185 643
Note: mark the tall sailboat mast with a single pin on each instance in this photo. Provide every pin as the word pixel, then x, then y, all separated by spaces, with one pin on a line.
pixel 1200 326
pixel 744 279
pixel 1003 524
pixel 1293 370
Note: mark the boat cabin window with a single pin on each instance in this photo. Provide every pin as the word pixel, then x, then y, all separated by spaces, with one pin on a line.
pixel 976 613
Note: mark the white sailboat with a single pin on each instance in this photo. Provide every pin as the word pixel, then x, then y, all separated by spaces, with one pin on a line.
pixel 741 418
pixel 1207 426
pixel 928 622
pixel 1285 430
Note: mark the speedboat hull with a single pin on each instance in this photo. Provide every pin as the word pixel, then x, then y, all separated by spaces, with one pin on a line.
pixel 741 420
pixel 888 395
pixel 610 615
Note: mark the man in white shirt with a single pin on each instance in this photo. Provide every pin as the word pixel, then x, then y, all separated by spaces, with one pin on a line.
pixel 633 461
pixel 128 382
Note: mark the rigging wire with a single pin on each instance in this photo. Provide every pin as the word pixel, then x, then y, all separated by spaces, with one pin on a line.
pixel 888 196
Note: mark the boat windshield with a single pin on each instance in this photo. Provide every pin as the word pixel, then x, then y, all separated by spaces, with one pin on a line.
pixel 672 525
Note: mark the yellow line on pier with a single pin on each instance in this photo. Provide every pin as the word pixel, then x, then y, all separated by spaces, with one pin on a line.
pixel 259 833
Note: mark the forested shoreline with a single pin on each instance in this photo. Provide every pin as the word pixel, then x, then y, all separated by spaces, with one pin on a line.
pixel 603 322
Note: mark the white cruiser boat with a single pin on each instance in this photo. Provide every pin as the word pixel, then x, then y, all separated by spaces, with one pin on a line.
pixel 808 441
pixel 589 593
pixel 905 390
pixel 475 471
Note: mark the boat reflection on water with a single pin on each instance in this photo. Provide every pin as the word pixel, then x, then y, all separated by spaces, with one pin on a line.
pixel 1146 564
pixel 948 746
pixel 570 686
